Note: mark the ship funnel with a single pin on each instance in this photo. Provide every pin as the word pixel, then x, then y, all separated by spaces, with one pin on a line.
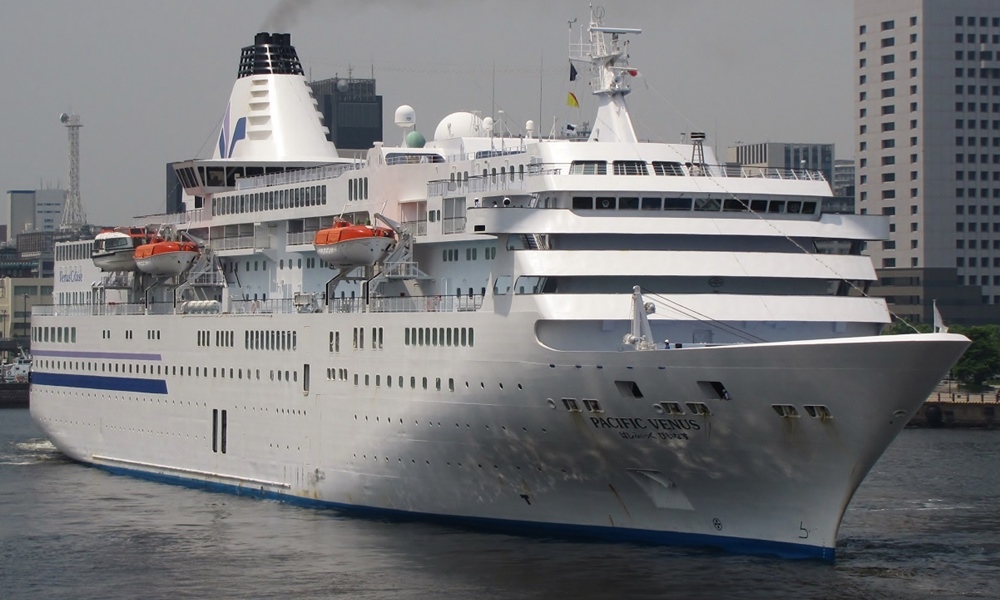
pixel 271 54
pixel 272 114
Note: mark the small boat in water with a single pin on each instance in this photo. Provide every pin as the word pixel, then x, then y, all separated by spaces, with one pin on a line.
pixel 165 258
pixel 114 249
pixel 345 244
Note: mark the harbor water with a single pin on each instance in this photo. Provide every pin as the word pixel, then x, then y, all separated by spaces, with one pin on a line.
pixel 925 524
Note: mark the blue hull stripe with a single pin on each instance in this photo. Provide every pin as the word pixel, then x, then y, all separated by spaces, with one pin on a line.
pixel 527 528
pixel 100 382
pixel 110 355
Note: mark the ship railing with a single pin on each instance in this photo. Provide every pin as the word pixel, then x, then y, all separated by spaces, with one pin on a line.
pixel 81 310
pixel 276 306
pixel 386 304
pixel 414 304
pixel 688 170
pixel 302 237
pixel 480 184
pixel 181 218
pixel 301 176
pixel 238 243
pixel 416 227
pixel 453 225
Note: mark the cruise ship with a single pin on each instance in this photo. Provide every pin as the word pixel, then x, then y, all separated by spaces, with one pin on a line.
pixel 599 337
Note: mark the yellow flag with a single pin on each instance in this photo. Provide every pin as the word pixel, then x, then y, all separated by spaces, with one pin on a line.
pixel 572 101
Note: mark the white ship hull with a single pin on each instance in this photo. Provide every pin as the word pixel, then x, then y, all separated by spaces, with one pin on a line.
pixel 115 261
pixel 496 448
pixel 506 363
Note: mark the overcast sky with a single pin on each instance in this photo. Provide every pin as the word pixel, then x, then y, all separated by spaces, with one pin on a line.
pixel 150 80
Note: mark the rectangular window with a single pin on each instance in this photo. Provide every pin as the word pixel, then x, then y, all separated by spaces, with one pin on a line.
pixel 588 167
pixel 630 167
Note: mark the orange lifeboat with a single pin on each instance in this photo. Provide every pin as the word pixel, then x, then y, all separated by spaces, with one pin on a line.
pixel 347 245
pixel 165 258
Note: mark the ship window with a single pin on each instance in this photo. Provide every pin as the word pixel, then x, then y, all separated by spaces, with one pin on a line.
pixel 628 389
pixel 734 205
pixel 628 204
pixel 808 208
pixel 676 204
pixel 413 383
pixel 668 168
pixel 583 203
pixel 605 203
pixel 758 206
pixel 652 203
pixel 588 167
pixel 707 204
pixel 630 167
pixel 215 176
pixel 424 383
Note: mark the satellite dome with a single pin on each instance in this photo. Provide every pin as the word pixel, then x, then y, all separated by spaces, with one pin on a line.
pixel 459 124
pixel 415 139
pixel 406 116
pixel 342 85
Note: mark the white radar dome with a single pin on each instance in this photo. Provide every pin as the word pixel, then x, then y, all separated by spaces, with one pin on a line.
pixel 459 124
pixel 406 116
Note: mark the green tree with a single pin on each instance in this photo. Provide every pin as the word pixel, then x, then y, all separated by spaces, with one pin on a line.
pixel 982 360
pixel 900 326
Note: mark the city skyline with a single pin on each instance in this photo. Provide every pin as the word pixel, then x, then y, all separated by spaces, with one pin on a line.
pixel 150 81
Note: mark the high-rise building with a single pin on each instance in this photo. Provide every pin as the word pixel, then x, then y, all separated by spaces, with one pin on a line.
pixel 33 210
pixel 352 111
pixel 928 145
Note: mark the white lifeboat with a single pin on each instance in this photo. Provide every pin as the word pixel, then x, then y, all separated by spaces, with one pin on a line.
pixel 114 250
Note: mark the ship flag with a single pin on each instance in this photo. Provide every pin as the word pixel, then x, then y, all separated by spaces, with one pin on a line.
pixel 939 326
pixel 572 72
pixel 572 101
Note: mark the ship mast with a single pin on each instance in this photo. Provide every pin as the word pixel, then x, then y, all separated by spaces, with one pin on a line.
pixel 610 72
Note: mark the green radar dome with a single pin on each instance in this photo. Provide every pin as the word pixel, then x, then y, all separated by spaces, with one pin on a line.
pixel 415 139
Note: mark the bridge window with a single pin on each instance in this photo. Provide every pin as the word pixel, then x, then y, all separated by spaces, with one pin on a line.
pixel 630 167
pixel 668 168
pixel 588 167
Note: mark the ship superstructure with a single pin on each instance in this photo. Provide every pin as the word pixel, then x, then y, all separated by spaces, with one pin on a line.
pixel 608 337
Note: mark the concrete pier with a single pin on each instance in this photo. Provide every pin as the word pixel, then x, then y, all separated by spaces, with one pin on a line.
pixel 950 408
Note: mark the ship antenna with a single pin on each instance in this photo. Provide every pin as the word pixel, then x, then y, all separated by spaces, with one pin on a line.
pixel 610 71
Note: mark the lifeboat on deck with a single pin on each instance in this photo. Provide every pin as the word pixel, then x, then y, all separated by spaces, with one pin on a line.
pixel 347 245
pixel 114 249
pixel 165 258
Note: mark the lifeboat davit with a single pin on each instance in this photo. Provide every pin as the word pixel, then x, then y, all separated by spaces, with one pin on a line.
pixel 114 249
pixel 165 258
pixel 346 245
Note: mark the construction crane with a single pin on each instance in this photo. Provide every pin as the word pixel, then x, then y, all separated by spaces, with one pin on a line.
pixel 73 216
